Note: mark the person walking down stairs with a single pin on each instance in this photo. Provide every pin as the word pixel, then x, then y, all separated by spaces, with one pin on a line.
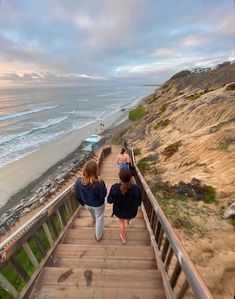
pixel 123 159
pixel 126 198
pixel 90 190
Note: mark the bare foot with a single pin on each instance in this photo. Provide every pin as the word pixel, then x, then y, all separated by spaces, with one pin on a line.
pixel 99 239
pixel 122 239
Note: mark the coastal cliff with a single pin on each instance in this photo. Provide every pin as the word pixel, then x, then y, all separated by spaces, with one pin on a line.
pixel 184 140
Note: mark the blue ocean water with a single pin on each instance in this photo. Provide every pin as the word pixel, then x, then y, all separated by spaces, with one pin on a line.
pixel 31 117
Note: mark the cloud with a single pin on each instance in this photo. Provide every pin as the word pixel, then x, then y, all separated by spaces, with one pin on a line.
pixel 47 78
pixel 191 41
pixel 92 40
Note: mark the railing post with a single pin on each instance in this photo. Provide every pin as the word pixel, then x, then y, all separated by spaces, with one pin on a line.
pixel 39 244
pixel 168 259
pixel 8 286
pixel 175 275
pixel 30 255
pixel 165 248
pixel 20 270
pixel 48 234
pixel 183 290
pixel 60 220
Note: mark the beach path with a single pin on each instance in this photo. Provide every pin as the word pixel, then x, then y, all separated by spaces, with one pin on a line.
pixel 80 267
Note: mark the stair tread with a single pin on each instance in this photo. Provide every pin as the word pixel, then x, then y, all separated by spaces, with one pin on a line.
pixel 107 212
pixel 110 232
pixel 105 251
pixel 102 263
pixel 98 278
pixel 137 223
pixel 61 292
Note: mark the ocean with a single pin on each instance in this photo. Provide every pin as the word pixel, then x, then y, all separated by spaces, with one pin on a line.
pixel 32 117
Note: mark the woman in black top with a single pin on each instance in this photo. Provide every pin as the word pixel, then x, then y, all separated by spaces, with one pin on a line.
pixel 90 190
pixel 125 197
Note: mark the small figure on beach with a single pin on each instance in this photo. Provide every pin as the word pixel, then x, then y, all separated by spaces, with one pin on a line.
pixel 90 190
pixel 126 198
pixel 101 127
pixel 123 159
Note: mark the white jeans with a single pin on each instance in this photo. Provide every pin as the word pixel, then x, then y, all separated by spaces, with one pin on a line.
pixel 97 213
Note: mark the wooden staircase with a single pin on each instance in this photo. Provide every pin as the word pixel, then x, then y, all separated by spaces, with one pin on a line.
pixel 80 267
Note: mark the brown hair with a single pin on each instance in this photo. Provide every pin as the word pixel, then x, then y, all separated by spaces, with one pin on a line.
pixel 123 151
pixel 90 173
pixel 125 177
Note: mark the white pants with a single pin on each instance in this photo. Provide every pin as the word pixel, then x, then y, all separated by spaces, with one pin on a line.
pixel 97 214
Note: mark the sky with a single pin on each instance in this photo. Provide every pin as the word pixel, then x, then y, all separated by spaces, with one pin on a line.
pixel 68 42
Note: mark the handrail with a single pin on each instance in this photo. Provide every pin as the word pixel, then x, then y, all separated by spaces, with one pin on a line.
pixel 169 246
pixel 47 226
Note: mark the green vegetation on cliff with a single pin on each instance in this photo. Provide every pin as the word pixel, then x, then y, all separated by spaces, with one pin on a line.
pixel 137 113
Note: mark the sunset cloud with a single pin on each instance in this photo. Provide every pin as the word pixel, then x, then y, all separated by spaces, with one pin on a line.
pixel 66 42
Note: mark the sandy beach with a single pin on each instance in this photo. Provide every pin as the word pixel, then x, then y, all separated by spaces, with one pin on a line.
pixel 19 174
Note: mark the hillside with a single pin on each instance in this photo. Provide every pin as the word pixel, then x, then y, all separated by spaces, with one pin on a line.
pixel 186 150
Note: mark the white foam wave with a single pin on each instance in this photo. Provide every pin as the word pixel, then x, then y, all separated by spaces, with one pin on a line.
pixel 84 100
pixel 18 114
pixel 39 126
pixel 106 94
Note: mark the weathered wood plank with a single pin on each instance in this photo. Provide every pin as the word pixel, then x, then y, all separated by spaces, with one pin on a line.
pixel 109 222
pixel 87 233
pixel 81 278
pixel 102 263
pixel 106 242
pixel 117 252
pixel 58 292
pixel 107 212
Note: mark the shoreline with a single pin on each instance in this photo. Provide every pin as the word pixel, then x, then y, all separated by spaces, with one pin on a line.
pixel 23 175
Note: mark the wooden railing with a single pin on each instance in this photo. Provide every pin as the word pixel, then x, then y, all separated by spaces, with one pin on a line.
pixel 180 277
pixel 26 251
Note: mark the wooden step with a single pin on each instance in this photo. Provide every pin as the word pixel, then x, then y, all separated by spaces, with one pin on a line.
pixel 136 223
pixel 87 233
pixel 84 235
pixel 61 292
pixel 107 213
pixel 102 263
pixel 96 278
pixel 106 242
pixel 105 251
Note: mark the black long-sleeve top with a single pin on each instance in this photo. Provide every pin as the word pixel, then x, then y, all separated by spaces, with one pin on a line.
pixel 92 195
pixel 125 205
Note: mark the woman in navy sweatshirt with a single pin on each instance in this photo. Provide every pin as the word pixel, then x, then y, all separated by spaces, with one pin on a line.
pixel 90 190
pixel 125 197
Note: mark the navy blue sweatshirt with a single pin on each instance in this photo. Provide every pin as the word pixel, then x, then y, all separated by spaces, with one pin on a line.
pixel 91 195
pixel 125 205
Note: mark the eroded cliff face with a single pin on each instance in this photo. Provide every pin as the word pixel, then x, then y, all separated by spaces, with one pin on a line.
pixel 188 131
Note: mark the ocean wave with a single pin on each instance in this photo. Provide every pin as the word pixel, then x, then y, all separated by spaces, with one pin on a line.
pixel 106 94
pixel 40 126
pixel 87 114
pixel 84 100
pixel 18 114
pixel 25 148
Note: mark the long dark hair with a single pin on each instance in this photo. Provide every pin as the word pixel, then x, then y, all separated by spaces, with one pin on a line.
pixel 125 178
